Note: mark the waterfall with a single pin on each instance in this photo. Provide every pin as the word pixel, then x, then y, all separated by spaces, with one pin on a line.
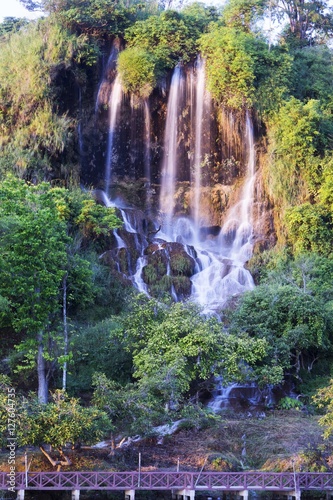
pixel 221 398
pixel 147 166
pixel 114 105
pixel 223 275
pixel 119 240
pixel 241 397
pixel 215 265
pixel 238 226
pixel 79 126
pixel 199 109
pixel 137 277
pixel 169 166
pixel 211 261
pixel 107 74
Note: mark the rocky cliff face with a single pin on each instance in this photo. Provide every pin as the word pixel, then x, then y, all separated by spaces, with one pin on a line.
pixel 186 175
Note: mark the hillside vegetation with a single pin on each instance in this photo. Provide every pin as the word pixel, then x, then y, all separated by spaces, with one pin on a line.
pixel 89 357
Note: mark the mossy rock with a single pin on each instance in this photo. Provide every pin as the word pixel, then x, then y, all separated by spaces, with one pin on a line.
pixel 122 258
pixel 181 263
pixel 149 274
pixel 159 260
pixel 183 286
pixel 161 287
pixel 152 248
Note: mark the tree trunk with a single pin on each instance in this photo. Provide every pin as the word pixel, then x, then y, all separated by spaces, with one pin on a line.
pixel 56 463
pixel 41 370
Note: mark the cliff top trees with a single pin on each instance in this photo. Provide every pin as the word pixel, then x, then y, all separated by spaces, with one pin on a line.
pixel 157 44
pixel 241 14
pixel 137 69
pixel 309 21
pixel 230 66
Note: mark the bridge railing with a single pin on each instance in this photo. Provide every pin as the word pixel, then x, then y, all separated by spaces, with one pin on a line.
pixel 157 480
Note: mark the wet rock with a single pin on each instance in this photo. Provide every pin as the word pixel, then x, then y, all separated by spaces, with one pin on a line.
pixel 182 286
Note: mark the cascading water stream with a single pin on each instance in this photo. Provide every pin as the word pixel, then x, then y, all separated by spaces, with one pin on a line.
pixel 200 99
pixel 225 274
pixel 79 126
pixel 219 261
pixel 137 278
pixel 104 85
pixel 239 220
pixel 114 105
pixel 169 166
pixel 120 242
pixel 147 165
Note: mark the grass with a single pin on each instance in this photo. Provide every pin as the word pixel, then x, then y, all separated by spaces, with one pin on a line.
pixel 231 444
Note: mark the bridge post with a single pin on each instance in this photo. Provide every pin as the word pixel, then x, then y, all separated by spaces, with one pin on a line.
pixel 244 494
pixel 130 495
pixel 186 494
pixel 75 494
pixel 20 494
pixel 294 494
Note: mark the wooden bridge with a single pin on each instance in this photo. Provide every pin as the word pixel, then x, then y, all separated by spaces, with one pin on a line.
pixel 183 485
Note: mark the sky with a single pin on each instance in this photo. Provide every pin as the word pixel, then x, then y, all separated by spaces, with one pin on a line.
pixel 13 8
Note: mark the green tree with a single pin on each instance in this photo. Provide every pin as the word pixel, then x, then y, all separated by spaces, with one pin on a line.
pixel 61 422
pixel 312 74
pixel 272 70
pixel 230 66
pixel 33 243
pixel 96 18
pixel 293 323
pixel 325 192
pixel 130 408
pixel 137 71
pixel 169 37
pixel 93 346
pixel 309 229
pixel 32 5
pixel 41 272
pixel 300 135
pixel 173 347
pixel 241 14
pixel 324 400
pixel 309 21
pixel 11 25
pixel 199 16
pixel 292 309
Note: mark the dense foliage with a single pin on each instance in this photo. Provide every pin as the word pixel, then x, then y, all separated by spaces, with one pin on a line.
pixel 41 274
pixel 159 43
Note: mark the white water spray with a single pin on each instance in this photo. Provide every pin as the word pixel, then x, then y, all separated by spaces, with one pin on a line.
pixel 104 86
pixel 114 106
pixel 200 99
pixel 169 167
pixel 224 274
pixel 147 164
